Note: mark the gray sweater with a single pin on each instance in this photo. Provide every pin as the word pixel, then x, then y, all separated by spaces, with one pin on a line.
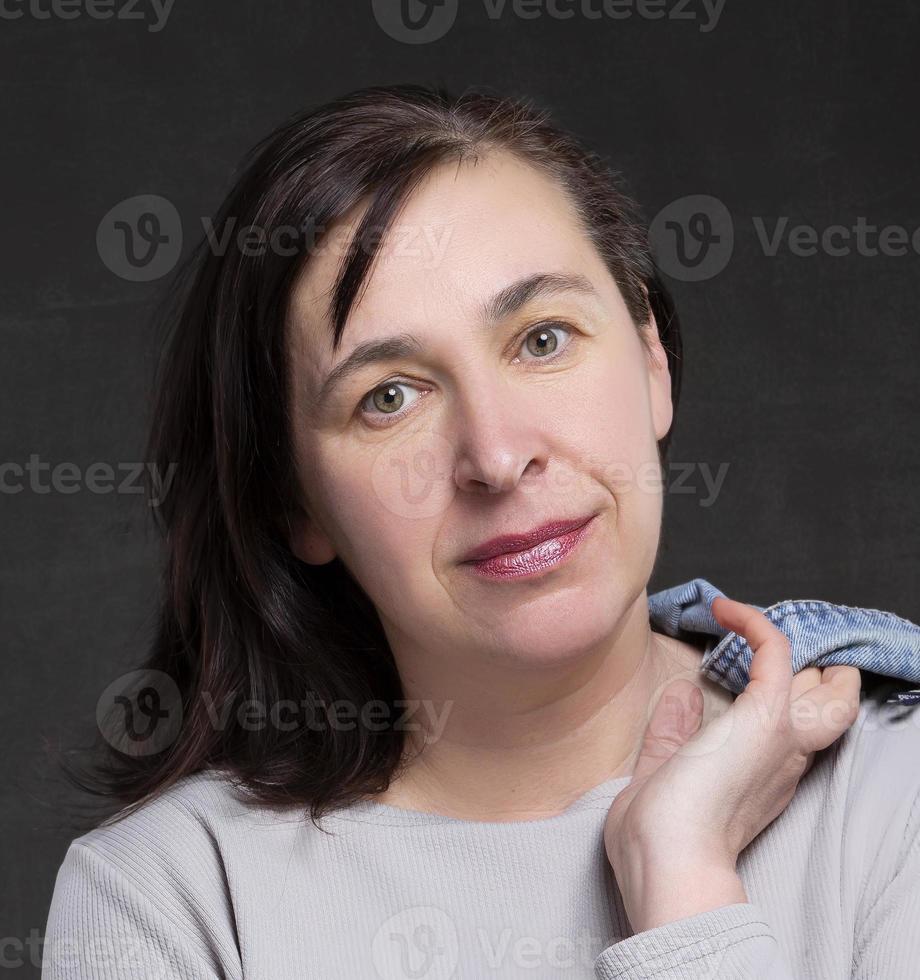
pixel 200 884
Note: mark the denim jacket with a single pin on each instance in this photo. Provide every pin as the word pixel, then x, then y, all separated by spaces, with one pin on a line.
pixel 820 634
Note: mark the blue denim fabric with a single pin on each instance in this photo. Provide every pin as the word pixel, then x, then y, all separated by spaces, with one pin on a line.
pixel 820 634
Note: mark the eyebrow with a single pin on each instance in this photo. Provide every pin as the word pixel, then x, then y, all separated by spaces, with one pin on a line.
pixel 504 303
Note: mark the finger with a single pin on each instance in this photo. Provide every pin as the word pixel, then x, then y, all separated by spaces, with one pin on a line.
pixel 804 680
pixel 842 670
pixel 809 677
pixel 833 707
pixel 676 718
pixel 771 665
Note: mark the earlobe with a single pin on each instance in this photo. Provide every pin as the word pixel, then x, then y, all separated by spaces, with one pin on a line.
pixel 308 542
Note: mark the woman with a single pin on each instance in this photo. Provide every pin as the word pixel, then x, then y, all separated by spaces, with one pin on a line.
pixel 419 412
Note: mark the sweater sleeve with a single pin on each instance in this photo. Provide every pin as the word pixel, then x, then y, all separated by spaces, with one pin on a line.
pixel 144 901
pixel 101 926
pixel 730 941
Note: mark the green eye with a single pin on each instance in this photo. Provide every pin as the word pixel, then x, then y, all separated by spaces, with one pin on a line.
pixel 387 399
pixel 541 341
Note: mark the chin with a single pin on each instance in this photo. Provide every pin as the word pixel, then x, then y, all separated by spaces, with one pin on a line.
pixel 557 628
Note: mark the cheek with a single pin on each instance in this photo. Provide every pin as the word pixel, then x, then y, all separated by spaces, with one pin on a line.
pixel 623 447
pixel 618 415
pixel 410 476
pixel 385 507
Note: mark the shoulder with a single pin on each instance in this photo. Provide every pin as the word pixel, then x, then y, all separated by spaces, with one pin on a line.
pixel 877 758
pixel 885 740
pixel 880 835
pixel 188 833
pixel 186 817
pixel 167 843
pixel 148 888
pixel 182 842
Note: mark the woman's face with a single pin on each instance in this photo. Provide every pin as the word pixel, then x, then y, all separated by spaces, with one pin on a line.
pixel 546 406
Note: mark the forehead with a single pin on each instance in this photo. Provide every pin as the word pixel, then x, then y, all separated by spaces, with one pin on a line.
pixel 465 232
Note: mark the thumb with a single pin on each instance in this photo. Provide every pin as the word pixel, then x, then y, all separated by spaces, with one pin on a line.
pixel 676 718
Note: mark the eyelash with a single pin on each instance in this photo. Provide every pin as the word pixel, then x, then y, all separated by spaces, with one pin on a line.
pixel 394 417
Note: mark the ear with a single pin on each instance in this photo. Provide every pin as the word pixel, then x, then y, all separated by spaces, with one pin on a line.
pixel 659 377
pixel 308 541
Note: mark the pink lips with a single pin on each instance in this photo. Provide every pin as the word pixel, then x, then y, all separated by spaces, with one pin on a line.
pixel 530 552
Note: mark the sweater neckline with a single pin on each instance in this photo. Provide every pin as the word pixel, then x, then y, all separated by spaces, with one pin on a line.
pixel 385 814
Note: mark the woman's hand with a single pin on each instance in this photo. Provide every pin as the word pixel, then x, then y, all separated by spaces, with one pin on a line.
pixel 698 797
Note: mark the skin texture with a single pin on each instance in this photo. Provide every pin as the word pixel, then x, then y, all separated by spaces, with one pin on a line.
pixel 533 689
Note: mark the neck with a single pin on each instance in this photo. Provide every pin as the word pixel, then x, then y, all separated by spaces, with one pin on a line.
pixel 503 742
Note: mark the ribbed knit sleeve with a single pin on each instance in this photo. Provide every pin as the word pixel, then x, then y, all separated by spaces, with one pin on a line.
pixel 146 896
pixel 732 941
pixel 102 927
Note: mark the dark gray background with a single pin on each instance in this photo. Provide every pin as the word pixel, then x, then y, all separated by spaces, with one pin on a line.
pixel 800 371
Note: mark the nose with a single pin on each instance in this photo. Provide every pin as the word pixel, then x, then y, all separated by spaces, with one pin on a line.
pixel 500 440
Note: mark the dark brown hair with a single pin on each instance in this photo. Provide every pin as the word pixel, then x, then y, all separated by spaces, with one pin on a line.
pixel 240 616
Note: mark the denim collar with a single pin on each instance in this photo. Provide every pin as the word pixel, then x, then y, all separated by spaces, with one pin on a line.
pixel 820 634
